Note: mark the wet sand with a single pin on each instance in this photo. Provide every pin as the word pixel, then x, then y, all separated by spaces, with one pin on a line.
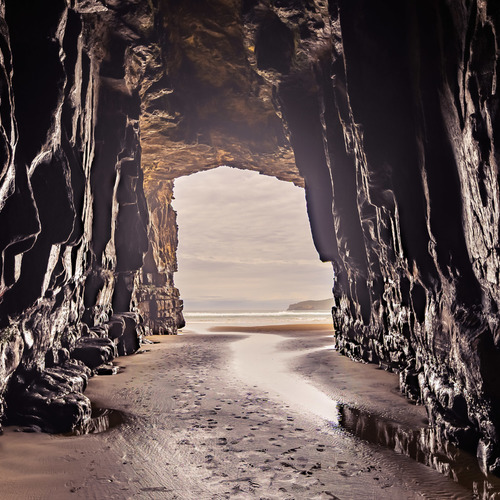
pixel 237 413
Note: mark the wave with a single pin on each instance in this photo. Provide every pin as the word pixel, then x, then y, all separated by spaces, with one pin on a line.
pixel 255 314
pixel 258 317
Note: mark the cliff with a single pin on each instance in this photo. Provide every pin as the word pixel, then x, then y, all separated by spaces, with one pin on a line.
pixel 387 114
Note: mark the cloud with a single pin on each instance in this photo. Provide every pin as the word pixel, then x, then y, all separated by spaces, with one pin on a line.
pixel 243 235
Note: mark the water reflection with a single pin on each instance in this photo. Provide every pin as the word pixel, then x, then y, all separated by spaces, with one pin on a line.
pixel 424 445
pixel 258 361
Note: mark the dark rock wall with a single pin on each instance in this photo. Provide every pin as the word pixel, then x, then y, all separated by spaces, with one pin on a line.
pixel 73 216
pixel 420 135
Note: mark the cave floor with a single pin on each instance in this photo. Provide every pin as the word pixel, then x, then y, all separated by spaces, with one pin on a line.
pixel 206 418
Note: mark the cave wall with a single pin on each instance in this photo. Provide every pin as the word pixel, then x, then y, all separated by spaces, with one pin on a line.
pixel 73 216
pixel 419 123
pixel 387 114
pixel 155 294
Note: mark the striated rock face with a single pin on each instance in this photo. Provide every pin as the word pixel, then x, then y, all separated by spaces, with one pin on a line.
pixel 73 217
pixel 387 114
pixel 412 122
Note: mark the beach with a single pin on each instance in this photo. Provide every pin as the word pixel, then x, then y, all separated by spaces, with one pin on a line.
pixel 230 411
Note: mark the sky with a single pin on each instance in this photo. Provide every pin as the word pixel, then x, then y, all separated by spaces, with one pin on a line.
pixel 245 243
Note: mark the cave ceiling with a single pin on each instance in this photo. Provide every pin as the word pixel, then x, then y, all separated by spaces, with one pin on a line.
pixel 208 97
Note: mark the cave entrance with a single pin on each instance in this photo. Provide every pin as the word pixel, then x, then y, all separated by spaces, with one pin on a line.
pixel 245 243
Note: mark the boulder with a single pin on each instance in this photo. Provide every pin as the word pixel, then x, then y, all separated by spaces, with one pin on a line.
pixel 94 352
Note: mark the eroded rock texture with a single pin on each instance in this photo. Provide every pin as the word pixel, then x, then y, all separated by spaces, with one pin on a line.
pixel 155 294
pixel 73 217
pixel 387 114
pixel 416 106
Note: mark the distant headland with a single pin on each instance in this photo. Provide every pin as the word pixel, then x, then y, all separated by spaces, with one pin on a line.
pixel 312 305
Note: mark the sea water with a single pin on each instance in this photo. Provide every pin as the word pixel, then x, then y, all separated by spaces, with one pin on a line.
pixel 258 317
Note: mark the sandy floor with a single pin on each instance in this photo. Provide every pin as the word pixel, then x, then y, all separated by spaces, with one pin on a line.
pixel 248 414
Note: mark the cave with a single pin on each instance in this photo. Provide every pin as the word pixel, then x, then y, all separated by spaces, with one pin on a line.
pixel 386 113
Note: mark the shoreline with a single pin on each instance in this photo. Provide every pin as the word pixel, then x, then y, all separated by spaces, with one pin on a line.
pixel 195 428
pixel 299 327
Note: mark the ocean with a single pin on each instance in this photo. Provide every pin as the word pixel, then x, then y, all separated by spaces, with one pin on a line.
pixel 258 317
